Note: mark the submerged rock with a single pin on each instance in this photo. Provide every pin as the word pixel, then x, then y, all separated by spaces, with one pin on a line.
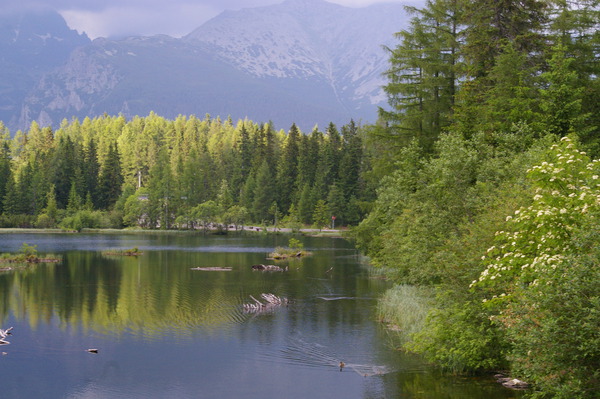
pixel 511 383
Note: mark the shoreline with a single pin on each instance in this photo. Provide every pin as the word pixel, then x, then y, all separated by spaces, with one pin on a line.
pixel 333 233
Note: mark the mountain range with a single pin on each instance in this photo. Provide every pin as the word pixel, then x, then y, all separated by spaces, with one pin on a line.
pixel 302 61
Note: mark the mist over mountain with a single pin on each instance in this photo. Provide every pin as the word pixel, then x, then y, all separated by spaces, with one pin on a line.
pixel 302 61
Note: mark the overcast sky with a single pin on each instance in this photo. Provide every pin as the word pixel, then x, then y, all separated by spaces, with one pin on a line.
pixel 113 18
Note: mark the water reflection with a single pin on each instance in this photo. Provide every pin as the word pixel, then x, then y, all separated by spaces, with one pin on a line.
pixel 165 330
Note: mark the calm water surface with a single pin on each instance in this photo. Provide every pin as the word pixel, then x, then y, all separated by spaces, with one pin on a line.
pixel 163 330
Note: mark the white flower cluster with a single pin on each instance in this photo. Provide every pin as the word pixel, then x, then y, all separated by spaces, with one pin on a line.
pixel 538 237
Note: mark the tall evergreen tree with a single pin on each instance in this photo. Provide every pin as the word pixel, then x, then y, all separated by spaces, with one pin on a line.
pixel 574 28
pixel 350 165
pixel 287 171
pixel 110 180
pixel 423 74
pixel 264 194
pixel 5 170
pixel 64 166
pixel 245 152
pixel 91 171
pixel 306 204
pixel 490 26
pixel 12 201
pixel 160 189
pixel 562 99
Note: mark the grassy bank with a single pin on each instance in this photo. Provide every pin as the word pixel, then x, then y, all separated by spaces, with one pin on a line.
pixel 403 309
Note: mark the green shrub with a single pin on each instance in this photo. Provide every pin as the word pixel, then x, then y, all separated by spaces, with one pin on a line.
pixel 44 221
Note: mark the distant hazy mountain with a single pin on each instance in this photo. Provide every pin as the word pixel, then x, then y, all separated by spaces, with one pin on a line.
pixel 303 61
pixel 31 44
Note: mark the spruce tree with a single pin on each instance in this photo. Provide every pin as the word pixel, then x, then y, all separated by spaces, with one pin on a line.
pixel 423 75
pixel 64 166
pixel 287 171
pixel 5 172
pixel 91 170
pixel 110 180
pixel 13 201
pixel 160 191
pixel 350 165
pixel 264 193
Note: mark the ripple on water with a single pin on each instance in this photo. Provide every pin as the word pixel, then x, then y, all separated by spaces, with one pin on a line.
pixel 302 353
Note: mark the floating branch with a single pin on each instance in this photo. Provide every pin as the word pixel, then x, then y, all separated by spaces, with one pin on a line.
pixel 4 334
pixel 272 302
pixel 269 268
pixel 212 269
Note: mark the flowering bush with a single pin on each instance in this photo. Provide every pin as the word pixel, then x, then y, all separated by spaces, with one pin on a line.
pixel 542 278
pixel 538 237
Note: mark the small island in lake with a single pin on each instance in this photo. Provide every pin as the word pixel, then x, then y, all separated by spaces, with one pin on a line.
pixel 123 252
pixel 295 249
pixel 27 254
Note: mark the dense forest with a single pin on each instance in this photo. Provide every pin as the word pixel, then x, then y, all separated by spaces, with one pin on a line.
pixel 187 173
pixel 477 191
pixel 490 191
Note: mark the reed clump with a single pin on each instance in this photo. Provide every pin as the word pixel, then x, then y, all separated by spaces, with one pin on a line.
pixel 403 309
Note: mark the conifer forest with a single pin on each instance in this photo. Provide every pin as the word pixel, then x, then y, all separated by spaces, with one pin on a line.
pixel 477 190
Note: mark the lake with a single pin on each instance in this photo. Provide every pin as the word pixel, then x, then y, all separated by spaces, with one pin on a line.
pixel 163 330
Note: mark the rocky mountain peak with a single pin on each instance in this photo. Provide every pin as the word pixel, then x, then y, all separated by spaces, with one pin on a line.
pixel 301 61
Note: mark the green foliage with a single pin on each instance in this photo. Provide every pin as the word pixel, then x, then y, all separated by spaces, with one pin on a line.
pixel 85 219
pixel 28 250
pixel 423 74
pixel 99 164
pixel 461 338
pixel 321 215
pixel 540 281
pixel 295 244
pixel 538 237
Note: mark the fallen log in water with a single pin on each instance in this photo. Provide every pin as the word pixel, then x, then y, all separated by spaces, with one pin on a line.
pixel 269 268
pixel 4 334
pixel 212 269
pixel 272 302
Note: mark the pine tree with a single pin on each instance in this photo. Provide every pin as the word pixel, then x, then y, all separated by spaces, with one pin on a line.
pixel 287 171
pixel 160 191
pixel 110 180
pixel 321 215
pixel 336 204
pixel 51 207
pixel 74 203
pixel 64 169
pixel 224 197
pixel 573 27
pixel 91 170
pixel 423 74
pixel 308 158
pixel 263 194
pixel 247 193
pixel 514 97
pixel 5 172
pixel 306 205
pixel 13 202
pixel 350 165
pixel 490 26
pixel 562 99
pixel 245 152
